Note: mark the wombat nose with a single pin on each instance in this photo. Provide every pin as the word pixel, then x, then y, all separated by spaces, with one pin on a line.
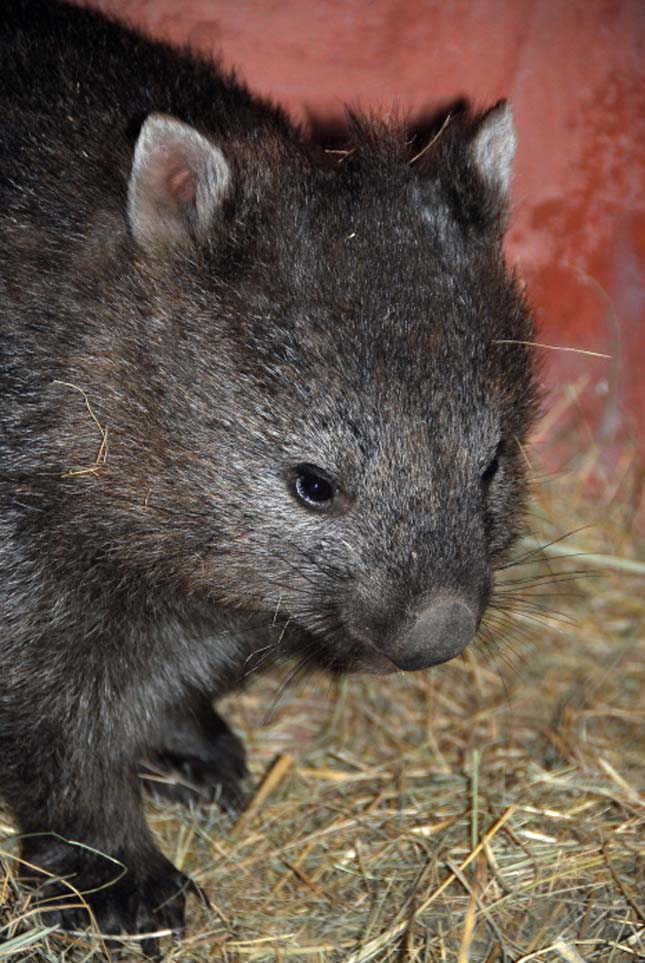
pixel 440 632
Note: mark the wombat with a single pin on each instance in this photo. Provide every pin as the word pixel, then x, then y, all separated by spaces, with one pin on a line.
pixel 258 400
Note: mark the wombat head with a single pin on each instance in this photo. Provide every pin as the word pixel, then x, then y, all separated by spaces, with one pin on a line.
pixel 360 379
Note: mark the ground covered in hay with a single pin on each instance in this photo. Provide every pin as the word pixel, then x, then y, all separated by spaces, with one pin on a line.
pixel 489 810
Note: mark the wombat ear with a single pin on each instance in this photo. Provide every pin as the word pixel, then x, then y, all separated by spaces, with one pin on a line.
pixel 177 184
pixel 493 147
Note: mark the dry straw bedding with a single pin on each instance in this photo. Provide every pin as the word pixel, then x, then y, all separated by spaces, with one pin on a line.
pixel 489 810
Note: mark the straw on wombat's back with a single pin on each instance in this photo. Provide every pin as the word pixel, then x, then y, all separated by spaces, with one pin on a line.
pixel 255 401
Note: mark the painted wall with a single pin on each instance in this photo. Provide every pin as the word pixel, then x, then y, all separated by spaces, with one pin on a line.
pixel 574 71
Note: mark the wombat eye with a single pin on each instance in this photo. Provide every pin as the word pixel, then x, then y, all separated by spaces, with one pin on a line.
pixel 313 486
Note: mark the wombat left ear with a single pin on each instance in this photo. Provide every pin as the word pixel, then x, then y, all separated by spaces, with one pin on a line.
pixel 178 182
pixel 493 147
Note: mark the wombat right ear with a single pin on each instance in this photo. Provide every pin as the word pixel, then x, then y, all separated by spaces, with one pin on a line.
pixel 177 184
pixel 493 147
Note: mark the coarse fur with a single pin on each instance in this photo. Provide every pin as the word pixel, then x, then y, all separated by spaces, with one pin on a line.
pixel 196 302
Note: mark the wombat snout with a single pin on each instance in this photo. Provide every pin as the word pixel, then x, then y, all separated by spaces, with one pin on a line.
pixel 439 632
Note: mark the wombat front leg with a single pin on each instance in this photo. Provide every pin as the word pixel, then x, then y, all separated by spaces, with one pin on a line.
pixel 126 891
pixel 73 785
pixel 199 760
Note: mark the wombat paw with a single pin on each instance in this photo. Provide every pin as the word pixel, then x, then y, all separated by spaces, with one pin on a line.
pixel 212 771
pixel 87 889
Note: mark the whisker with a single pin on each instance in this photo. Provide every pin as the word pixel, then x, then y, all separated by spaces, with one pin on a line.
pixel 552 578
pixel 499 635
pixel 521 559
pixel 537 611
pixel 290 678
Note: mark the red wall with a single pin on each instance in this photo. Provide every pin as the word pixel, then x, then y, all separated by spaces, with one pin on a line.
pixel 574 71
